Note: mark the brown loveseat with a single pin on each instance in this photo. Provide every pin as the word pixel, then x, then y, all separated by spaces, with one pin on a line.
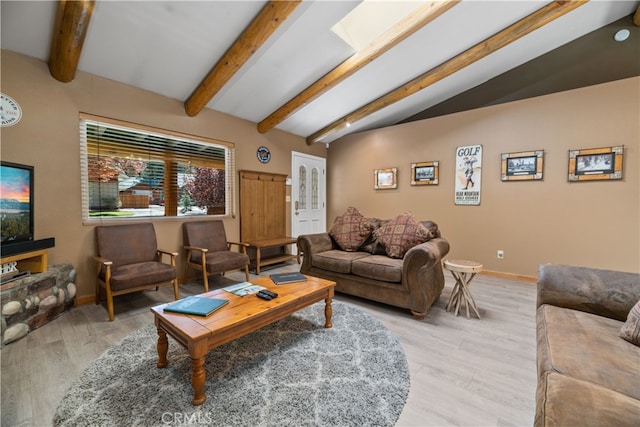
pixel 587 374
pixel 414 281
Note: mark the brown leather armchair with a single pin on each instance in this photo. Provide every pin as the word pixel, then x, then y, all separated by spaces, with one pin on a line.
pixel 209 251
pixel 129 260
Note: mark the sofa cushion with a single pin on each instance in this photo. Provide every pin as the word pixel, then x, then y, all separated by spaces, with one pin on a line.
pixel 378 267
pixel 587 347
pixel 401 234
pixel 351 229
pixel 566 401
pixel 631 329
pixel 336 260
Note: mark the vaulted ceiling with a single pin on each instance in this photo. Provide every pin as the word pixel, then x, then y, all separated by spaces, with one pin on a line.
pixel 279 64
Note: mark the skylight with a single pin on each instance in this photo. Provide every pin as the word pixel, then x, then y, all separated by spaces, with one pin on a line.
pixel 371 18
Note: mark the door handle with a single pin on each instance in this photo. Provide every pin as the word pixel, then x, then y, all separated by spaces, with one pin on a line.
pixel 296 205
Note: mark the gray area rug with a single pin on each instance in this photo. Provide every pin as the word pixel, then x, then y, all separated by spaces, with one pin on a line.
pixel 293 372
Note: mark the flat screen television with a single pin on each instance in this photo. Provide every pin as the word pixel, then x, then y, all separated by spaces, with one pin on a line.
pixel 16 203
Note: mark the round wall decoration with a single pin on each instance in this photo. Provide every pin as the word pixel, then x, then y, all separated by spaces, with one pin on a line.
pixel 10 112
pixel 264 155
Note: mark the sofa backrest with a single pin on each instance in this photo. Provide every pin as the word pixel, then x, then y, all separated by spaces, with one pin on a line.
pixel 372 245
pixel 606 293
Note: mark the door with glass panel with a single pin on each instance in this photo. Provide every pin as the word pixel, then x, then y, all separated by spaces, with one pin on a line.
pixel 308 194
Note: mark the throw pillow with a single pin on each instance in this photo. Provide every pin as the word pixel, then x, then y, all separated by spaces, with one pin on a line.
pixel 631 329
pixel 372 245
pixel 351 230
pixel 401 234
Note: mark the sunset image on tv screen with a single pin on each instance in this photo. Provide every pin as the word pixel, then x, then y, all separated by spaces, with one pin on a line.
pixel 15 208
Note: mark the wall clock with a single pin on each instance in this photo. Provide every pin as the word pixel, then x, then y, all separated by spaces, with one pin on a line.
pixel 10 111
pixel 264 155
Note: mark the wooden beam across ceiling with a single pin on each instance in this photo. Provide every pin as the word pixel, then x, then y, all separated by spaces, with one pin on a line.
pixel 636 17
pixel 390 38
pixel 537 19
pixel 272 15
pixel 72 22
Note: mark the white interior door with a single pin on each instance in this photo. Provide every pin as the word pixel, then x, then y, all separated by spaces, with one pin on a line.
pixel 308 194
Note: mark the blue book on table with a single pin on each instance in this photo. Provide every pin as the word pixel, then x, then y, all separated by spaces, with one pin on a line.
pixel 198 306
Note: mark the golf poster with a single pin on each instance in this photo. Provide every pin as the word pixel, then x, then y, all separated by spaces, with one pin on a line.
pixel 468 171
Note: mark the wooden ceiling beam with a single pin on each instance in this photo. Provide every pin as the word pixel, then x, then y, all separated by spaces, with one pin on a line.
pixel 390 38
pixel 537 19
pixel 72 22
pixel 272 15
pixel 636 17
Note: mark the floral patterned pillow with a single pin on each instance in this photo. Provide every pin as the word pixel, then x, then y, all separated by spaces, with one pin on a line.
pixel 351 230
pixel 401 234
pixel 631 329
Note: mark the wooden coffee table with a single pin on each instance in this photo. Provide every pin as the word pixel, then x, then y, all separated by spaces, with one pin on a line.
pixel 238 318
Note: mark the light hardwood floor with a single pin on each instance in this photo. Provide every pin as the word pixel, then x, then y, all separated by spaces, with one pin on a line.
pixel 464 372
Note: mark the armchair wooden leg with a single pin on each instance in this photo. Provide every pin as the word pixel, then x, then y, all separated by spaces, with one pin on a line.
pixel 110 303
pixel 246 272
pixel 205 279
pixel 176 292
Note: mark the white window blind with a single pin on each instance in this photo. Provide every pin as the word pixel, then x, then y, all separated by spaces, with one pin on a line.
pixel 130 170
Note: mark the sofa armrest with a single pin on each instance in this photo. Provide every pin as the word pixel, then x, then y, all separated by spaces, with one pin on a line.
pixel 603 292
pixel 422 272
pixel 309 244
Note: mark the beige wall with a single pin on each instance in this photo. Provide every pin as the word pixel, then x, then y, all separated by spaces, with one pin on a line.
pixel 534 222
pixel 47 138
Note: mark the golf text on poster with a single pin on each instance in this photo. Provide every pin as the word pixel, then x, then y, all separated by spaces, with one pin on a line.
pixel 468 175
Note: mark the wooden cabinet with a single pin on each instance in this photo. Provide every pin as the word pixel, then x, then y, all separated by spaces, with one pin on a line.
pixel 263 217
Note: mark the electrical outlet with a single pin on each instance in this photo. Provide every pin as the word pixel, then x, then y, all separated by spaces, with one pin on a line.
pixel 500 254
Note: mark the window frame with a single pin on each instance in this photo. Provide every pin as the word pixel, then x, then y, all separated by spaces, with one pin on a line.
pixel 229 168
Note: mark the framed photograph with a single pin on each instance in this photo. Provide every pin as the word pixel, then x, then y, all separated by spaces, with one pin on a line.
pixel 384 179
pixel 522 166
pixel 596 164
pixel 424 173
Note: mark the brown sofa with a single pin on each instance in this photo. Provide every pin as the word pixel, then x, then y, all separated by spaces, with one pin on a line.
pixel 587 374
pixel 414 282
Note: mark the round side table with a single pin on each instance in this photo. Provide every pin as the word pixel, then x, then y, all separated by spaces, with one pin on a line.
pixel 463 271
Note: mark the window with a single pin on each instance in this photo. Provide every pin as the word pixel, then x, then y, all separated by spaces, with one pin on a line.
pixel 314 189
pixel 134 171
pixel 302 188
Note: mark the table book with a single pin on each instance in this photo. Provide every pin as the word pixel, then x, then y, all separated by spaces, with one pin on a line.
pixel 197 306
pixel 244 289
pixel 284 278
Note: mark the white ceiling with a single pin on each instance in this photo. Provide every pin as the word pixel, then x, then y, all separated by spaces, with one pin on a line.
pixel 168 47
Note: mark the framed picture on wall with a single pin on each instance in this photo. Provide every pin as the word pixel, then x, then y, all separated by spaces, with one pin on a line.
pixel 522 166
pixel 384 179
pixel 596 164
pixel 424 173
pixel 468 178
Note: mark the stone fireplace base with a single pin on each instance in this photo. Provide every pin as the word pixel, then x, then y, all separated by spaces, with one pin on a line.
pixel 32 301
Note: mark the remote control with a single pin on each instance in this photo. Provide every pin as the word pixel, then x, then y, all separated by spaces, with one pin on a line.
pixel 264 296
pixel 268 292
